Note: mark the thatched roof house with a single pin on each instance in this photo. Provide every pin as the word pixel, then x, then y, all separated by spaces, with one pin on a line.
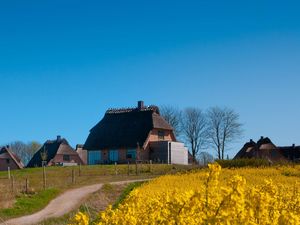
pixel 126 128
pixel 55 152
pixel 266 149
pixel 291 153
pixel 9 159
pixel 128 134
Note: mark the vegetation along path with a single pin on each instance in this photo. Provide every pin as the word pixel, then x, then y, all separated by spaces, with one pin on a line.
pixel 63 204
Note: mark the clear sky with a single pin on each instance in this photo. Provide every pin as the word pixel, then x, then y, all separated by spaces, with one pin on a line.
pixel 63 63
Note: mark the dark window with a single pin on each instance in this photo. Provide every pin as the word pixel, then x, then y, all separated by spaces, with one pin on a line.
pixel 7 161
pixel 161 135
pixel 131 154
pixel 66 158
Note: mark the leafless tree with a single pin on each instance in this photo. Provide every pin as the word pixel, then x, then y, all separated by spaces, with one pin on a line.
pixel 24 150
pixel 194 128
pixel 223 128
pixel 205 158
pixel 173 116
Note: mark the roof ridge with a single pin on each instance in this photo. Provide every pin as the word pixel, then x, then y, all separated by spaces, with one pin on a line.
pixel 129 109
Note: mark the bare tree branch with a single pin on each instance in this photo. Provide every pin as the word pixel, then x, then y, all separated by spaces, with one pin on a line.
pixel 194 129
pixel 223 128
pixel 173 116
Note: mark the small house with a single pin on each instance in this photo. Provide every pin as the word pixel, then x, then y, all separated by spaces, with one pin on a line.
pixel 56 152
pixel 134 134
pixel 266 149
pixel 9 159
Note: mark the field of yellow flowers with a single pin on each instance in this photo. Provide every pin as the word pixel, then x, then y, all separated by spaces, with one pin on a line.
pixel 212 196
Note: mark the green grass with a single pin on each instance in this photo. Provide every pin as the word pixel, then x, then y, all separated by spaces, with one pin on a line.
pixel 28 204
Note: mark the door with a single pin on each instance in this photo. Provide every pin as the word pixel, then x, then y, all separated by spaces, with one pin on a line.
pixel 113 155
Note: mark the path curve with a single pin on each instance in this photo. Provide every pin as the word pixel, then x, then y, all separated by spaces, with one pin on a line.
pixel 63 204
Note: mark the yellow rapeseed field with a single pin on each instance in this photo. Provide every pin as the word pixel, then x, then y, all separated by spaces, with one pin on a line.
pixel 213 196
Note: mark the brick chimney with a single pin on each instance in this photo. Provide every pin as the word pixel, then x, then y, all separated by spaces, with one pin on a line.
pixel 140 105
pixel 58 138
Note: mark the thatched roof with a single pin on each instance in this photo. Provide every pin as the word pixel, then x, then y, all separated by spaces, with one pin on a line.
pixel 125 128
pixel 6 153
pixel 264 148
pixel 247 151
pixel 52 148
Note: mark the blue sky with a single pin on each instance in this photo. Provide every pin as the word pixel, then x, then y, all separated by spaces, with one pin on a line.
pixel 63 63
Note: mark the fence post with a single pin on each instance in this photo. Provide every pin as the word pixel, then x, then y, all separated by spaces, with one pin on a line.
pixel 136 168
pixel 12 183
pixel 128 171
pixel 73 176
pixel 116 171
pixel 150 166
pixel 44 178
pixel 8 172
pixel 26 186
pixel 80 169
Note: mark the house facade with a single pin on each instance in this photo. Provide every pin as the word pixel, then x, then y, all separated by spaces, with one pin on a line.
pixel 82 153
pixel 128 135
pixel 264 148
pixel 56 152
pixel 9 160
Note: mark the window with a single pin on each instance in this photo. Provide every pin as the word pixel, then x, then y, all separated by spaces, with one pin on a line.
pixel 7 161
pixel 161 135
pixel 131 154
pixel 94 157
pixel 66 157
pixel 113 155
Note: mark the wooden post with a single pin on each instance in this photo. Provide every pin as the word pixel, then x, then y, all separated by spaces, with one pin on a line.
pixel 12 183
pixel 26 186
pixel 80 169
pixel 150 166
pixel 73 176
pixel 136 168
pixel 128 169
pixel 116 171
pixel 44 178
pixel 8 172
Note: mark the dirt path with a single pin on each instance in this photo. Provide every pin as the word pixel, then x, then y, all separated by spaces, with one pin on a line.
pixel 61 205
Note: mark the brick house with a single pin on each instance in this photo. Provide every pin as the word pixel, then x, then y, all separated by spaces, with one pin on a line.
pixel 9 159
pixel 264 148
pixel 55 152
pixel 130 134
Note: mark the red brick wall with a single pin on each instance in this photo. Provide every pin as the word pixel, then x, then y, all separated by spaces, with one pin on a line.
pixel 59 159
pixel 153 136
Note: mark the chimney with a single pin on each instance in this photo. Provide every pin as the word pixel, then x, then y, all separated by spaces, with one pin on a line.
pixel 261 137
pixel 293 145
pixel 7 146
pixel 140 105
pixel 58 138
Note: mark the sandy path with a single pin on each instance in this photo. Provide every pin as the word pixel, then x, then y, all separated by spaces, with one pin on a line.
pixel 62 205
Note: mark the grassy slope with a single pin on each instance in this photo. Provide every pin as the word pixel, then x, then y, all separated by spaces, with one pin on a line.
pixel 59 179
pixel 27 204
